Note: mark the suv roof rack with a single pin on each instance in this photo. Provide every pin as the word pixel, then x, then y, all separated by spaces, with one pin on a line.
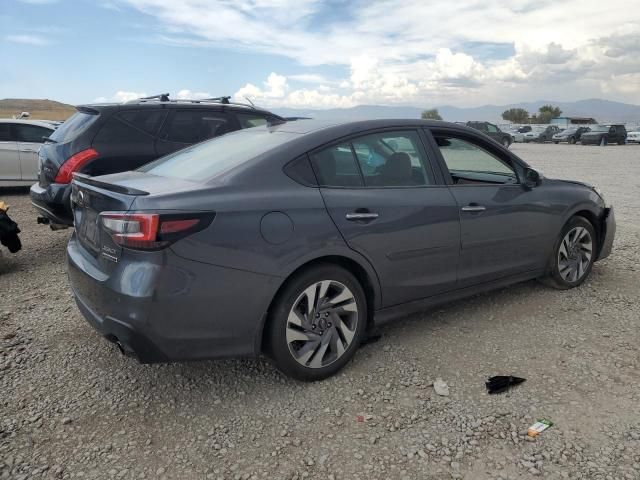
pixel 164 97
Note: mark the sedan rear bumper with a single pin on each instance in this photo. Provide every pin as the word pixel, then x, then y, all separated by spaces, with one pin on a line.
pixel 161 307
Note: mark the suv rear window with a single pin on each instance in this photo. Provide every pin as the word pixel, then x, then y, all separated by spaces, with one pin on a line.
pixel 73 126
pixel 203 162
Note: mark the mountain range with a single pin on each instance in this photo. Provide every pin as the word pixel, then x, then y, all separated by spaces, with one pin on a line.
pixel 604 111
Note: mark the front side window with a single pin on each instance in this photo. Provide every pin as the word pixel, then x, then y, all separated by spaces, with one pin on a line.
pixel 193 126
pixel 492 128
pixel 31 133
pixel 470 163
pixel 388 159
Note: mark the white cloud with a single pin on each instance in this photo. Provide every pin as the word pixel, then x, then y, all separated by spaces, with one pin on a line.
pixel 120 96
pixel 412 51
pixel 189 95
pixel 27 39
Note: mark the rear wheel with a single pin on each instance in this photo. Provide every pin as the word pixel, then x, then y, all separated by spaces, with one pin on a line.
pixel 572 140
pixel 573 255
pixel 506 142
pixel 317 323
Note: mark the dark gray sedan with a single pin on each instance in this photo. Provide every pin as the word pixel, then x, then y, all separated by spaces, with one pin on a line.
pixel 294 240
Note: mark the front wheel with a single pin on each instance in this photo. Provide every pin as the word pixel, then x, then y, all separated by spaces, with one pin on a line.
pixel 573 255
pixel 317 323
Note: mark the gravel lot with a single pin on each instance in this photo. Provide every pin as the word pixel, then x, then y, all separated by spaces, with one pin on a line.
pixel 72 407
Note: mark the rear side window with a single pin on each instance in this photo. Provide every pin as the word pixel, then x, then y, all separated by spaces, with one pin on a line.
pixel 73 127
pixel 115 131
pixel 5 133
pixel 336 167
pixel 387 159
pixel 148 121
pixel 31 133
pixel 193 126
pixel 205 161
pixel 249 120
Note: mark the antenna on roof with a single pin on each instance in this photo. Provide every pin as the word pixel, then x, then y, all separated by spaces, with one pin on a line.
pixel 163 97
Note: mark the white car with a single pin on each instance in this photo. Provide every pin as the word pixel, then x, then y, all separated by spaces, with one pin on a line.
pixel 20 141
pixel 633 136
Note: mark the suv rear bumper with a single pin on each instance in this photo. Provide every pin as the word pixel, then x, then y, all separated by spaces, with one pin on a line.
pixel 53 202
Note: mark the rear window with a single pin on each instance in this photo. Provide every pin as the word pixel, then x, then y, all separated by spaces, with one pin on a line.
pixel 202 162
pixel 73 127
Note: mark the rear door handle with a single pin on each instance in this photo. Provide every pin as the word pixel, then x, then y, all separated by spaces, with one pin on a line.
pixel 354 216
pixel 473 208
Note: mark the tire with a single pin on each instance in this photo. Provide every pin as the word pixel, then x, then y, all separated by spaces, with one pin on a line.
pixel 506 142
pixel 569 266
pixel 572 140
pixel 296 347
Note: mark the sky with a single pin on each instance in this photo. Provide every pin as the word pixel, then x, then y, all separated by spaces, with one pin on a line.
pixel 322 53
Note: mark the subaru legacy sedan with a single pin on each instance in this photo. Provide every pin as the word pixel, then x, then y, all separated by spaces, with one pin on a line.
pixel 294 240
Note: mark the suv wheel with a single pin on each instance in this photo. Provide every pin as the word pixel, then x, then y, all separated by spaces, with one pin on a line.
pixel 572 140
pixel 318 323
pixel 506 142
pixel 573 255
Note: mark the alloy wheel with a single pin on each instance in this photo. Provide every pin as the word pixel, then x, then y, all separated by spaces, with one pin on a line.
pixel 574 254
pixel 322 324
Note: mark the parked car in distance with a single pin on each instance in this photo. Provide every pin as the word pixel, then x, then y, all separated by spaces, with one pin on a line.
pixel 518 135
pixel 503 138
pixel 605 134
pixel 294 240
pixel 109 138
pixel 570 135
pixel 633 136
pixel 541 134
pixel 19 144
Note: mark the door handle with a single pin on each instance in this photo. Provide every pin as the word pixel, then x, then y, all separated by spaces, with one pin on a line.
pixel 473 208
pixel 353 216
pixel 28 150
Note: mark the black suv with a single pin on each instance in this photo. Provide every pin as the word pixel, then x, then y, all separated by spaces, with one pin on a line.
pixel 110 138
pixel 604 134
pixel 493 131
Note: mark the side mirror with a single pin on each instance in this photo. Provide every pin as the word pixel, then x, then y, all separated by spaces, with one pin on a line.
pixel 531 178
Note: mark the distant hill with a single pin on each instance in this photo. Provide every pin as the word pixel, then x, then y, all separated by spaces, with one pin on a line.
pixel 602 110
pixel 38 109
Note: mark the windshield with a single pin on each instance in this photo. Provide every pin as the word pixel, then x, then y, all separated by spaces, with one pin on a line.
pixel 600 128
pixel 73 127
pixel 206 160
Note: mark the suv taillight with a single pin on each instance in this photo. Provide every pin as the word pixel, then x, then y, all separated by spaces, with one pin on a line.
pixel 73 164
pixel 152 231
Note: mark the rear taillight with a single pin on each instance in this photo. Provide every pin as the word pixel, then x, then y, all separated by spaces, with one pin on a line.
pixel 73 164
pixel 152 231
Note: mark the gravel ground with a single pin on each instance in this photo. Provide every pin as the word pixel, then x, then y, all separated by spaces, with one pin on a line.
pixel 72 407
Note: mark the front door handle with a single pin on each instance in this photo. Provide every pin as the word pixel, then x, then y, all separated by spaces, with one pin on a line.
pixel 473 208
pixel 354 216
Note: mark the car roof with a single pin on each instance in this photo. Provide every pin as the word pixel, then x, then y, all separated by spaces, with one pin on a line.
pixel 353 126
pixel 40 123
pixel 181 104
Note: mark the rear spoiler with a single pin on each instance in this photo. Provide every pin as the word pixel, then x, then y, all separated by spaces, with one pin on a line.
pixel 88 180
